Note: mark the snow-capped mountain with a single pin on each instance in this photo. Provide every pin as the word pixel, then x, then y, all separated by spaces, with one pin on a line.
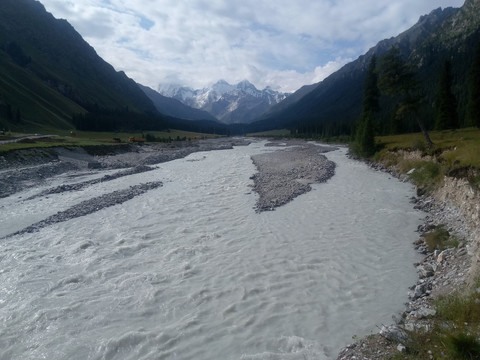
pixel 240 103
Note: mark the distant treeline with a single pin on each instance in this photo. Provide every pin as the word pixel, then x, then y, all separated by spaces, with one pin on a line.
pixel 102 119
pixel 118 120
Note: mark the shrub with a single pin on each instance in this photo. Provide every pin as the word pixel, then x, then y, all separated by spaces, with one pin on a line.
pixel 463 346
pixel 440 239
pixel 427 175
pixel 419 145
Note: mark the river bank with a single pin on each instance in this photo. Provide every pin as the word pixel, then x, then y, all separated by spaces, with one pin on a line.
pixel 455 208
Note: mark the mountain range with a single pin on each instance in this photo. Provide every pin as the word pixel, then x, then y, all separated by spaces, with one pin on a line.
pixel 50 77
pixel 231 104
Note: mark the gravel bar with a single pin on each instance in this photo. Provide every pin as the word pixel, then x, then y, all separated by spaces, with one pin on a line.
pixel 285 174
pixel 92 205
pixel 84 184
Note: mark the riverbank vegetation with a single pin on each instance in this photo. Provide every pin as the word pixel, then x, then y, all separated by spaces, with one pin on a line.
pixel 456 153
pixel 452 333
pixel 90 138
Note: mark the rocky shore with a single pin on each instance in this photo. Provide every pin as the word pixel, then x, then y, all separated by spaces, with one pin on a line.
pixel 285 174
pixel 439 272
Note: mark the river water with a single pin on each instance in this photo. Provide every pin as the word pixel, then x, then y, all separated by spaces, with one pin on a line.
pixel 190 271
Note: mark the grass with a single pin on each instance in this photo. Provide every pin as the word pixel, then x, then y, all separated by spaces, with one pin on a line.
pixel 84 138
pixel 440 239
pixel 453 333
pixel 455 147
pixel 456 152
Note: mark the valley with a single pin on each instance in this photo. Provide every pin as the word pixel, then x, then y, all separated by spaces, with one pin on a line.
pixel 221 221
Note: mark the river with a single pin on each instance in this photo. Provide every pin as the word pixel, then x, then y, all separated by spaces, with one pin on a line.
pixel 190 270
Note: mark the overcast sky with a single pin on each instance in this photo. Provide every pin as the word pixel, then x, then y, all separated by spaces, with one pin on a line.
pixel 279 43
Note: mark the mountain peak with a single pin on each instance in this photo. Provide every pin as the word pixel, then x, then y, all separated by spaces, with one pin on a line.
pixel 245 84
pixel 222 87
pixel 240 103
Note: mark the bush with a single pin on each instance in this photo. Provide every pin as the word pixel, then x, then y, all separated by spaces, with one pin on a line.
pixel 427 174
pixel 440 239
pixel 463 346
pixel 419 145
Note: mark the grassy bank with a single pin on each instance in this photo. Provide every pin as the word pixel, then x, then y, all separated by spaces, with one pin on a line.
pixel 455 153
pixel 84 138
pixel 452 333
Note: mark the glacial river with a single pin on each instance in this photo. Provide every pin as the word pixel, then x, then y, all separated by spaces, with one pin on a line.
pixel 190 271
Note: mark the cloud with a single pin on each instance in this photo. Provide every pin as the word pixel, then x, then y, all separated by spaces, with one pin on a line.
pixel 284 44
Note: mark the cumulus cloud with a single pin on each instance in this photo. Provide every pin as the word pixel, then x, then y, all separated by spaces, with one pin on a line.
pixel 283 44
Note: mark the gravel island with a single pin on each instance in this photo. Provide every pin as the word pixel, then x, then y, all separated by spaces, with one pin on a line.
pixel 285 174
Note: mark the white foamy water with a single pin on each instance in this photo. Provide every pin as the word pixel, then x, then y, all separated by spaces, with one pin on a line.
pixel 190 271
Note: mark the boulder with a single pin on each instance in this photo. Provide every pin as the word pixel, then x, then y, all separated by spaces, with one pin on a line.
pixel 394 333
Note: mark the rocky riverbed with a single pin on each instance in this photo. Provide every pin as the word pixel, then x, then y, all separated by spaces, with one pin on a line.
pixel 282 174
pixel 285 174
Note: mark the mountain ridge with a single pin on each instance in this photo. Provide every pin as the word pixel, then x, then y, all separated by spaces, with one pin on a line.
pixel 50 74
pixel 334 104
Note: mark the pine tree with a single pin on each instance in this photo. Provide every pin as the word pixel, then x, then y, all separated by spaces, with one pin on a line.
pixel 473 105
pixel 371 93
pixel 446 104
pixel 396 78
pixel 365 133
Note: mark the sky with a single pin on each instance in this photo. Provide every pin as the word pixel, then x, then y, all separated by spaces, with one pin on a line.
pixel 284 44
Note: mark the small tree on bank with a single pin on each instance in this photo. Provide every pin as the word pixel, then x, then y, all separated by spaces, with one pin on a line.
pixel 398 79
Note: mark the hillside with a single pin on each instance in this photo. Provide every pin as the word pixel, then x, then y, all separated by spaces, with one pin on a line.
pixel 49 72
pixel 335 103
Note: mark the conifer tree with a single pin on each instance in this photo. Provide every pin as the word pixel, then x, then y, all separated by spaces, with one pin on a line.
pixel 396 78
pixel 365 133
pixel 446 104
pixel 473 105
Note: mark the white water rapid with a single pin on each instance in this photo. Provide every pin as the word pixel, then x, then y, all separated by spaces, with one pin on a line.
pixel 190 271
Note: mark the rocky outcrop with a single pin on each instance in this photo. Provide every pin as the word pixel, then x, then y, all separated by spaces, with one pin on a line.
pixel 458 193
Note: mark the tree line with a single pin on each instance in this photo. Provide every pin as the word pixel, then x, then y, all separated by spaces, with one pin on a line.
pixel 392 77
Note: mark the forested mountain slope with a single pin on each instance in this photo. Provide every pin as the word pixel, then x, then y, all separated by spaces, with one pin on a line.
pixel 335 103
